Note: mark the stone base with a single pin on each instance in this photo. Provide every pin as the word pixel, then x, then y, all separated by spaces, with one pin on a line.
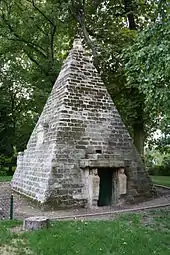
pixel 34 223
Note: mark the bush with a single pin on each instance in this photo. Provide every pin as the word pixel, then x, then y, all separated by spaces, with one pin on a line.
pixel 7 165
pixel 158 164
pixel 160 170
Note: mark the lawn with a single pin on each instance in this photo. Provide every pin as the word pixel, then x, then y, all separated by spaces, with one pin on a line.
pixel 142 234
pixel 161 180
pixel 5 178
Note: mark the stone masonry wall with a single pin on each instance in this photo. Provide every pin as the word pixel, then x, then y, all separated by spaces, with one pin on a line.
pixel 79 128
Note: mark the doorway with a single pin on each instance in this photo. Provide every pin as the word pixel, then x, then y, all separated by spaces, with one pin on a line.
pixel 106 189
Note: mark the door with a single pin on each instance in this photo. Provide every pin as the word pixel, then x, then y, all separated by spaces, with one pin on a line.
pixel 105 191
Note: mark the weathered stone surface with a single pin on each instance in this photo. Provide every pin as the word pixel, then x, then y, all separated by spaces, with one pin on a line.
pixel 34 223
pixel 122 180
pixel 1 213
pixel 79 129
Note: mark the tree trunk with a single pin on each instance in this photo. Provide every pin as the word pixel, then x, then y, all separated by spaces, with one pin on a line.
pixel 138 126
pixel 139 137
pixel 129 9
pixel 10 172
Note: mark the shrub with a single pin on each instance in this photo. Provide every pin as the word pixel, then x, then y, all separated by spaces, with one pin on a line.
pixel 6 164
pixel 160 170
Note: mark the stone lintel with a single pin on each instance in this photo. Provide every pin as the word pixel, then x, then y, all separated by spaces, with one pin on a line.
pixel 104 163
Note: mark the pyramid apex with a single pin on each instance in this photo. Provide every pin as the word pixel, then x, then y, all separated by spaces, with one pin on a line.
pixel 77 44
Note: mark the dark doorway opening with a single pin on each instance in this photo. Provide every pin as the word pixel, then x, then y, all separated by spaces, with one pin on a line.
pixel 105 190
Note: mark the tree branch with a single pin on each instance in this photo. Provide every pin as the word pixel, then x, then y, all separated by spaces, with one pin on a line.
pixel 53 27
pixel 78 12
pixel 130 15
pixel 36 8
pixel 34 46
pixel 52 43
pixel 31 45
pixel 96 3
pixel 36 62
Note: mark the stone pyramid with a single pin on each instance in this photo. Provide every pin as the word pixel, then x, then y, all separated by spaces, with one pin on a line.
pixel 79 144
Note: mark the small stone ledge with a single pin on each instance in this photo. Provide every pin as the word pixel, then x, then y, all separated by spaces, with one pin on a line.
pixel 162 186
pixel 84 163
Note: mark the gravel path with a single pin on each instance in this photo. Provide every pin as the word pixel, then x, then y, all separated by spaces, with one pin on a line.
pixel 23 207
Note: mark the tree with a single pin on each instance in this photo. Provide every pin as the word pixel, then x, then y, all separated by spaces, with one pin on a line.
pixel 15 103
pixel 148 66
pixel 108 27
pixel 30 59
pixel 41 32
pixel 31 27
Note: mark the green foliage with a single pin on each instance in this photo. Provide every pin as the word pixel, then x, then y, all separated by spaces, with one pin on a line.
pixel 163 170
pixel 158 156
pixel 111 35
pixel 34 42
pixel 148 65
pixel 15 103
pixel 7 163
pixel 30 28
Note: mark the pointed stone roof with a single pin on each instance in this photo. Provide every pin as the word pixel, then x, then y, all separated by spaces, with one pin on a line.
pixel 79 128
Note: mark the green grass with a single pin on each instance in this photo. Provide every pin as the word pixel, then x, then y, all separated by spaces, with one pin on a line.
pixel 161 180
pixel 5 235
pixel 5 178
pixel 141 234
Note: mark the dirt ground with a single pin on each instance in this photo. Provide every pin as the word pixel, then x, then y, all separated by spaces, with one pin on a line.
pixel 23 207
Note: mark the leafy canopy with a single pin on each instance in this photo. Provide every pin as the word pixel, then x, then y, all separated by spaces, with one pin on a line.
pixel 148 64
